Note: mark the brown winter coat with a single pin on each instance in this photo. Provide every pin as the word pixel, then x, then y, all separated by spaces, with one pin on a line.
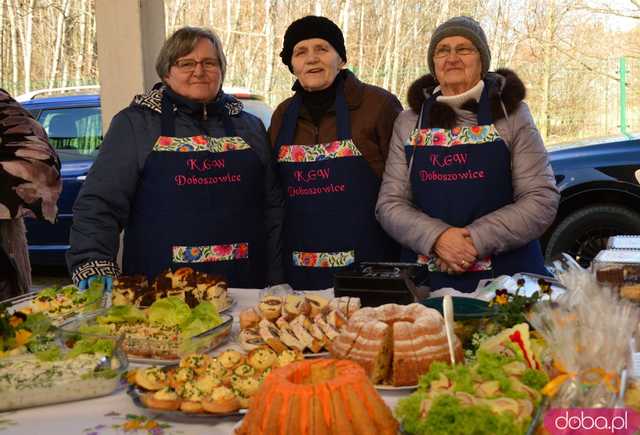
pixel 373 111
pixel 29 186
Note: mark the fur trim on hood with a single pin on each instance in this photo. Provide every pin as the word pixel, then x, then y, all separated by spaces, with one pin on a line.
pixel 505 87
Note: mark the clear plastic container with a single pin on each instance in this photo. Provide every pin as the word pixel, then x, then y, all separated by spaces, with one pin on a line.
pixel 26 381
pixel 166 349
pixel 59 309
pixel 623 242
pixel 619 268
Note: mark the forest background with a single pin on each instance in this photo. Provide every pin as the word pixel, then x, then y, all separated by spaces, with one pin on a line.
pixel 568 52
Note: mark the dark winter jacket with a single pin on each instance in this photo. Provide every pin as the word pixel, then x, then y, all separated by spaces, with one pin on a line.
pixel 535 195
pixel 372 110
pixel 102 209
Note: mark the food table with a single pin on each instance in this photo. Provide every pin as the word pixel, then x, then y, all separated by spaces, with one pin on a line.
pixel 116 413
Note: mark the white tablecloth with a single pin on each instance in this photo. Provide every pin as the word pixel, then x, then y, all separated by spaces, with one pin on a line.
pixel 107 415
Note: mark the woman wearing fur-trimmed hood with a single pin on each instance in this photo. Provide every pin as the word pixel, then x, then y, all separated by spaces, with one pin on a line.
pixel 467 187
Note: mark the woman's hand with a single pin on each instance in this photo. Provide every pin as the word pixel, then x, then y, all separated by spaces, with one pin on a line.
pixel 456 250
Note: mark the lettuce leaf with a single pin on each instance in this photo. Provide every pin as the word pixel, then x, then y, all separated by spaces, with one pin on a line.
pixel 448 416
pixel 94 293
pixel 37 323
pixel 203 317
pixel 206 311
pixel 69 290
pixel 52 354
pixel 48 293
pixel 122 314
pixel 89 345
pixel 535 379
pixel 94 329
pixel 408 413
pixel 171 311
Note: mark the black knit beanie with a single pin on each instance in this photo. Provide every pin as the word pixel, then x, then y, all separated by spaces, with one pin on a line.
pixel 310 27
pixel 466 27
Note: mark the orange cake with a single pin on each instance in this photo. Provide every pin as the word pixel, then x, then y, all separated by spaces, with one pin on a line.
pixel 316 397
pixel 395 344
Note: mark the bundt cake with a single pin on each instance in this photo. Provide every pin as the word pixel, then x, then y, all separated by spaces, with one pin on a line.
pixel 318 397
pixel 395 344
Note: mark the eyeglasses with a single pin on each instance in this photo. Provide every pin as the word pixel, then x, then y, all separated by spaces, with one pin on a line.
pixel 189 65
pixel 445 51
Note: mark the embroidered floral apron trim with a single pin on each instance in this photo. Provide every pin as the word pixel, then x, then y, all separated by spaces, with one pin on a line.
pixel 479 266
pixel 452 137
pixel 200 143
pixel 210 254
pixel 323 259
pixel 315 153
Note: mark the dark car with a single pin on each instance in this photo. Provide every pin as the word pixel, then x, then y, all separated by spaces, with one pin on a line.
pixel 74 126
pixel 600 186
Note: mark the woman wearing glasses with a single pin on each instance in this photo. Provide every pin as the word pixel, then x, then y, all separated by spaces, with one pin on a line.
pixel 187 174
pixel 467 187
pixel 331 140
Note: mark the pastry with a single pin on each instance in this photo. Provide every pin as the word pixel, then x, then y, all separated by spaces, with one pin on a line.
pixel 222 400
pixel 249 318
pixel 250 339
pixel 317 304
pixel 295 305
pixel 271 335
pixel 270 307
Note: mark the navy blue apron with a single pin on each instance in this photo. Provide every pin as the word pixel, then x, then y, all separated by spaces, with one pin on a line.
pixel 199 203
pixel 459 175
pixel 331 194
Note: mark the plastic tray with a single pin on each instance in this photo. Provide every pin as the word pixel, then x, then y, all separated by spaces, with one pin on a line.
pixel 160 351
pixel 69 382
pixel 25 301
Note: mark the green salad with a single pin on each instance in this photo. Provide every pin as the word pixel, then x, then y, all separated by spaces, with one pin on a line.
pixel 170 313
pixel 24 333
pixel 496 394
pixel 167 329
pixel 59 301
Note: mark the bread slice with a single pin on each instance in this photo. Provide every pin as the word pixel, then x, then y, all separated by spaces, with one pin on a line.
pixel 270 307
pixel 250 339
pixel 318 335
pixel 295 305
pixel 317 304
pixel 326 329
pixel 336 319
pixel 303 335
pixel 288 337
pixel 271 335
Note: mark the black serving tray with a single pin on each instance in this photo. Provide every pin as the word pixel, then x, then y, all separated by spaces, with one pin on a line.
pixel 380 283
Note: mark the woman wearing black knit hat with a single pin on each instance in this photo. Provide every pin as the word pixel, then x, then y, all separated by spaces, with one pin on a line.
pixel 331 141
pixel 467 187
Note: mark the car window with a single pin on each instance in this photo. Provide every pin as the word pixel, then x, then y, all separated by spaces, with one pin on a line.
pixel 73 132
pixel 259 109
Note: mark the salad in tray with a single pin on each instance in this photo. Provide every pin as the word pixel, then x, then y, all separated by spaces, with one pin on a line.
pixel 77 366
pixel 59 303
pixel 165 330
pixel 22 333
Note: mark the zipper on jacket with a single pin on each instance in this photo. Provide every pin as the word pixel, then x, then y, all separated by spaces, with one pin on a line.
pixel 316 133
pixel 204 112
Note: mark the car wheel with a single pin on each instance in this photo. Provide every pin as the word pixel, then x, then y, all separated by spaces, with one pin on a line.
pixel 584 233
